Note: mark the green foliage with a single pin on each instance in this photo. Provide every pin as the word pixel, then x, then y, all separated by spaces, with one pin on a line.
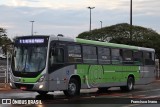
pixel 4 39
pixel 120 33
pixel 2 32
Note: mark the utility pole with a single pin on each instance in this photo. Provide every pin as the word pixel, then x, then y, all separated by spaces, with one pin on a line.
pixel 101 24
pixel 90 16
pixel 131 20
pixel 32 27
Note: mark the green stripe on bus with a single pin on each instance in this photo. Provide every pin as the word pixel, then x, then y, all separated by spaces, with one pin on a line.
pixel 30 80
pixel 106 44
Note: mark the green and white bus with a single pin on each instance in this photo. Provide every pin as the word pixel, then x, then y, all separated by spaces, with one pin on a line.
pixel 51 63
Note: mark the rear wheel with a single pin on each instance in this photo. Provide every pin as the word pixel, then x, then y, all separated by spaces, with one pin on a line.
pixel 42 92
pixel 130 85
pixel 73 88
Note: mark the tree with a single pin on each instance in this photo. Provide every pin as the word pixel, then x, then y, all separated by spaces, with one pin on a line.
pixel 2 32
pixel 120 33
pixel 4 39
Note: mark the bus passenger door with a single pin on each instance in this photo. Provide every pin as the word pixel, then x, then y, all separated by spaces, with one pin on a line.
pixel 56 68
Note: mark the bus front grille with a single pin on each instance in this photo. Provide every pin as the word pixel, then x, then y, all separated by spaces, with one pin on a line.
pixel 26 86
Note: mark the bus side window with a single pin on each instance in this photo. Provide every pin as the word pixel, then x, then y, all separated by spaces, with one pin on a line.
pixel 137 58
pixel 148 58
pixel 51 59
pixel 153 58
pixel 52 56
pixel 60 55
pixel 104 55
pixel 89 54
pixel 116 56
pixel 74 54
pixel 57 56
pixel 127 57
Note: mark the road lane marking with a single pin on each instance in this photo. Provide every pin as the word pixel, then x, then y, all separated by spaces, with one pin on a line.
pixel 136 96
pixel 131 105
pixel 147 91
pixel 152 97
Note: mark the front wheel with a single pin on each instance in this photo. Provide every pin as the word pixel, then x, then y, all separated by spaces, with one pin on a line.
pixel 130 85
pixel 73 88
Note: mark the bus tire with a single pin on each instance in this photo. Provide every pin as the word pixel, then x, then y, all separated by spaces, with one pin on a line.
pixel 130 85
pixel 42 92
pixel 73 88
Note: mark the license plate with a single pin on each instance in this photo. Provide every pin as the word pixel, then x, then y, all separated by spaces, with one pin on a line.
pixel 23 88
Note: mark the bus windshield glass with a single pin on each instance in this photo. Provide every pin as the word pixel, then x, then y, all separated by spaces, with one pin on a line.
pixel 29 58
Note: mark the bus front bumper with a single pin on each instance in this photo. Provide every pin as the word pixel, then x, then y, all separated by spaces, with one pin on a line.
pixel 40 86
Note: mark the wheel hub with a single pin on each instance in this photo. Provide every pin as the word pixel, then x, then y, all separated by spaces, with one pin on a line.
pixel 72 88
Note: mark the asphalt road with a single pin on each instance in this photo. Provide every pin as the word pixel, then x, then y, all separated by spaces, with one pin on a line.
pixel 114 97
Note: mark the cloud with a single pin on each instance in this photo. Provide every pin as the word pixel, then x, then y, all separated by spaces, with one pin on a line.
pixel 47 21
pixel 71 17
pixel 123 5
pixel 67 4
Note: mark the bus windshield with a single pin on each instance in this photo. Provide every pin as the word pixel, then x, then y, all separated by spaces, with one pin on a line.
pixel 29 58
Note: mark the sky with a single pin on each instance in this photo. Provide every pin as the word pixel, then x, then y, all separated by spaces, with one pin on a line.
pixel 71 17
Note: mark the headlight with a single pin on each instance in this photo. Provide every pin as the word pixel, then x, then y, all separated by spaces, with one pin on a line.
pixel 10 84
pixel 41 86
pixel 41 79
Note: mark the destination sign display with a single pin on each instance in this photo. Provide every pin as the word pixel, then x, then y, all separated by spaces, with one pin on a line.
pixel 31 41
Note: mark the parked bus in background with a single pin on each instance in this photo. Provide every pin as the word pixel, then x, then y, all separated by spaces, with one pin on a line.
pixel 48 63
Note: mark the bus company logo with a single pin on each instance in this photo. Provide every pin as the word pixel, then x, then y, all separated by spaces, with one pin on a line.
pixel 6 101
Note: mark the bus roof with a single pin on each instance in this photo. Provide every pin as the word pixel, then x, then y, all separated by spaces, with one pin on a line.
pixel 113 45
pixel 84 41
